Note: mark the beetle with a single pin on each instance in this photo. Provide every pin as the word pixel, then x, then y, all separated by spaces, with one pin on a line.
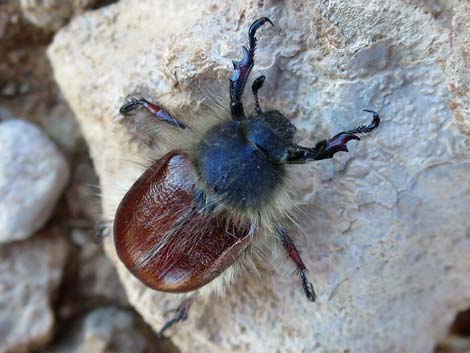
pixel 194 212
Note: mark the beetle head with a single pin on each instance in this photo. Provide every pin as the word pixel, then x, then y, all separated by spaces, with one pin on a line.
pixel 271 133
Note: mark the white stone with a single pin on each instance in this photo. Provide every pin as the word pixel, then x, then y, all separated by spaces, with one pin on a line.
pixel 30 272
pixel 33 174
pixel 386 227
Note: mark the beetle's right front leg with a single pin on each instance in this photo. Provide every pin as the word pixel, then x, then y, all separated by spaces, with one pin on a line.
pixel 154 109
pixel 328 148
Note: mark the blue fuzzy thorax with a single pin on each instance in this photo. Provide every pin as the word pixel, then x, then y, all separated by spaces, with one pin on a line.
pixel 238 160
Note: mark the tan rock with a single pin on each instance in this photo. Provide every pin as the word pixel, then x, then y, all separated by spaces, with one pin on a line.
pixel 52 14
pixel 458 66
pixel 385 227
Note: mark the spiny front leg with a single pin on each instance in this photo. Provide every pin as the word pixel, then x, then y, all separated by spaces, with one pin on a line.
pixel 154 109
pixel 338 142
pixel 242 69
pixel 327 148
pixel 294 254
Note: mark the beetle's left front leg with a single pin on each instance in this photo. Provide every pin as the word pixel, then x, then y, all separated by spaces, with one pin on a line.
pixel 294 254
pixel 242 69
pixel 154 109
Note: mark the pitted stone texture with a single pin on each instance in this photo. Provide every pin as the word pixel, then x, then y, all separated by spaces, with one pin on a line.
pixel 33 174
pixel 30 272
pixel 385 229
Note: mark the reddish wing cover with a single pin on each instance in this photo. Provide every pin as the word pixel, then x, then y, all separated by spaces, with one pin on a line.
pixel 164 240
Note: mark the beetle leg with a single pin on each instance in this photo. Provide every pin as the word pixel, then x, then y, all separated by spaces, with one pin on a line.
pixel 102 230
pixel 242 69
pixel 180 314
pixel 257 84
pixel 294 254
pixel 154 109
pixel 327 148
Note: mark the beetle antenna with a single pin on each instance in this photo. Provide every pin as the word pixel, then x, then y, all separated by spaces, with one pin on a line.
pixel 257 84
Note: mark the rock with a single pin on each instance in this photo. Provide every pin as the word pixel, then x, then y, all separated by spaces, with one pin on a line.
pixel 458 66
pixel 106 330
pixel 16 31
pixel 30 272
pixel 82 193
pixel 32 176
pixel 27 88
pixel 97 276
pixel 94 275
pixel 385 228
pixel 53 14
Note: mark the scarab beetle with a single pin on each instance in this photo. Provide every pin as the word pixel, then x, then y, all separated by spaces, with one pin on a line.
pixel 194 212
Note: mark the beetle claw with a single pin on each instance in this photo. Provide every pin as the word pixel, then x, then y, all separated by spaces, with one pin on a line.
pixel 242 69
pixel 257 24
pixel 338 142
pixel 154 109
pixel 131 105
pixel 307 286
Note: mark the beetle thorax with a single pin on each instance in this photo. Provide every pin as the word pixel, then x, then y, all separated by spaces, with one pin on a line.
pixel 234 160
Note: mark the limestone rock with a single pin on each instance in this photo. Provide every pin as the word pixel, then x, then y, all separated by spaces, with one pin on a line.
pixel 385 228
pixel 458 66
pixel 30 272
pixel 33 174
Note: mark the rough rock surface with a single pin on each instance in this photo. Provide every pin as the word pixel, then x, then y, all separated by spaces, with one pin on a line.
pixel 30 272
pixel 33 174
pixel 105 330
pixel 458 66
pixel 385 228
pixel 96 275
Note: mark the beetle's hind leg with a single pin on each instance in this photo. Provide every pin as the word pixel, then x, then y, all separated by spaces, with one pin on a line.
pixel 180 313
pixel 294 254
pixel 154 109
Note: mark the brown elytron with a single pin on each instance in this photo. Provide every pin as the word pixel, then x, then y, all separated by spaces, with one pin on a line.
pixel 164 239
